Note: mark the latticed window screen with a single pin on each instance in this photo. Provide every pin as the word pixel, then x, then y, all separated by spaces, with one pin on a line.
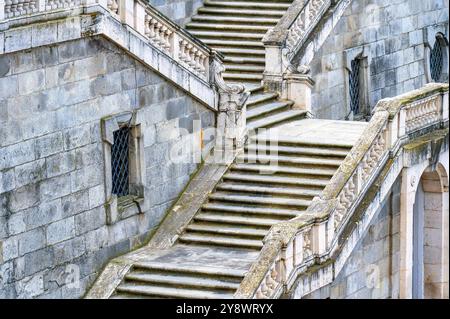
pixel 436 60
pixel 354 85
pixel 119 161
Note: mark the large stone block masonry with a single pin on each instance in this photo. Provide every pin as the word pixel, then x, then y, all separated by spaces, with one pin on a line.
pixel 392 36
pixel 53 223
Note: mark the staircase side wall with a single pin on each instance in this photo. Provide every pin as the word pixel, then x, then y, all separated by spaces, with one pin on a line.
pixel 391 36
pixel 372 270
pixel 180 11
pixel 54 233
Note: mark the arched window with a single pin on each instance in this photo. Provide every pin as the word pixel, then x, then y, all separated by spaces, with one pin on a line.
pixel 438 59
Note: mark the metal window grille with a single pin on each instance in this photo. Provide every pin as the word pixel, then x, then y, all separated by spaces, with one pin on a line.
pixel 436 60
pixel 354 86
pixel 119 161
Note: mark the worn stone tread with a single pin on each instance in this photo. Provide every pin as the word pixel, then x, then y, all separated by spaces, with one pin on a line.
pixel 239 220
pixel 250 210
pixel 276 158
pixel 226 229
pixel 275 179
pixel 252 188
pixel 168 292
pixel 220 240
pixel 269 200
pixel 279 169
pixel 181 280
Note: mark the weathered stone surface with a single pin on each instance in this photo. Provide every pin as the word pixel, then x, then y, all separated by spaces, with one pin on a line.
pixel 61 230
pixel 52 177
pixel 393 46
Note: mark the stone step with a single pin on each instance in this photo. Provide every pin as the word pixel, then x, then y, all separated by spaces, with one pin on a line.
pixel 190 269
pixel 240 51
pixel 276 119
pixel 246 68
pixel 244 60
pixel 180 281
pixel 257 90
pixel 295 150
pixel 250 210
pixel 227 27
pixel 124 295
pixel 256 99
pixel 277 169
pixel 226 34
pixel 234 20
pixel 267 108
pixel 273 157
pixel 226 241
pixel 169 292
pixel 241 12
pixel 259 200
pixel 287 141
pixel 242 76
pixel 252 188
pixel 226 230
pixel 280 180
pixel 248 4
pixel 236 220
pixel 233 43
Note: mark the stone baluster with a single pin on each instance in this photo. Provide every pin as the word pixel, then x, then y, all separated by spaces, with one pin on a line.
pixel 167 36
pixel 443 105
pixel 153 30
pixel 126 11
pixel 188 49
pixel 113 5
pixel 182 51
pixel 3 9
pixel 139 18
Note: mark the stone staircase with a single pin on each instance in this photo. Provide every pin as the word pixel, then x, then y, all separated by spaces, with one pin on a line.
pixel 260 190
pixel 236 28
pixel 266 110
pixel 268 183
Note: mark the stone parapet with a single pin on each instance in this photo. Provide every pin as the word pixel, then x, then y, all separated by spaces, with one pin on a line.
pixel 313 238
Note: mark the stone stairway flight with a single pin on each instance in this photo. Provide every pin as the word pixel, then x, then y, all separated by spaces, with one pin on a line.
pixel 236 28
pixel 268 183
pixel 265 185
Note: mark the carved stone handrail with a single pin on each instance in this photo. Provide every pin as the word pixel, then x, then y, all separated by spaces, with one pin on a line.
pixel 291 45
pixel 294 246
pixel 295 26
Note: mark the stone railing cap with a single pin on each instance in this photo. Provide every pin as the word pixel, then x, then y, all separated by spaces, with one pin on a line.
pixel 393 105
pixel 277 35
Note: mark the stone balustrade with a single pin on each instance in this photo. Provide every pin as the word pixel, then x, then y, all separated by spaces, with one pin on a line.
pixel 304 22
pixel 284 71
pixel 288 36
pixel 292 247
pixel 161 32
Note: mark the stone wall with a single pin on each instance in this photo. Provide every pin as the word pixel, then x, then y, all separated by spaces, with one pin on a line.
pixel 372 270
pixel 391 35
pixel 179 11
pixel 53 228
